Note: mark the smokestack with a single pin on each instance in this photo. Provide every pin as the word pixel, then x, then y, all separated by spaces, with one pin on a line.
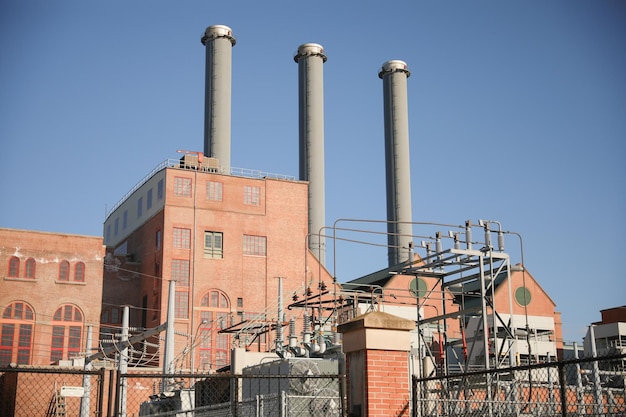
pixel 219 42
pixel 310 58
pixel 397 166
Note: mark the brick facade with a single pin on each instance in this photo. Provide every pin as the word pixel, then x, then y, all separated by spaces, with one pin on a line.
pixel 45 291
pixel 274 211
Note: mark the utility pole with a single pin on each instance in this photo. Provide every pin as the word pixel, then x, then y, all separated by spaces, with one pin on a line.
pixel 123 361
pixel 279 325
pixel 168 358
pixel 85 399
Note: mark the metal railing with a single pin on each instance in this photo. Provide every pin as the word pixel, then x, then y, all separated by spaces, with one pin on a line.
pixel 176 163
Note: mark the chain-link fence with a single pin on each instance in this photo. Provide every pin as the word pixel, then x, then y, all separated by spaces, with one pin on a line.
pixel 581 387
pixel 216 395
pixel 27 392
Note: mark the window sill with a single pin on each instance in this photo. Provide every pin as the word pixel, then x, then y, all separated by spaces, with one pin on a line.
pixel 20 279
pixel 56 281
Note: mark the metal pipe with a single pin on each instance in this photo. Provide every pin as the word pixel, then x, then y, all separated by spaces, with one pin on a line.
pixel 596 373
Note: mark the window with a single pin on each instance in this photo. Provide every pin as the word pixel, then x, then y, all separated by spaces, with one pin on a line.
pixel 79 272
pixel 214 316
pixel 182 305
pixel 182 238
pixel 139 207
pixel 160 190
pixel 157 238
pixel 14 267
pixel 115 315
pixel 67 329
pixel 125 219
pixel 213 245
pixel 182 186
pixel 251 195
pixel 214 190
pixel 18 320
pixel 64 271
pixel 30 268
pixel 180 272
pixel 116 226
pixel 254 245
pixel 108 232
pixel 149 200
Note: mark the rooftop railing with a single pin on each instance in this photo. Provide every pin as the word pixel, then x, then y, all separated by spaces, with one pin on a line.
pixel 177 164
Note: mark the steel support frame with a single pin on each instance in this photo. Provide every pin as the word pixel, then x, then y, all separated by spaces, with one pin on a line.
pixel 473 272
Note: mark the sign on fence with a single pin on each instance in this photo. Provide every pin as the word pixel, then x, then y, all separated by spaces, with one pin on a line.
pixel 72 391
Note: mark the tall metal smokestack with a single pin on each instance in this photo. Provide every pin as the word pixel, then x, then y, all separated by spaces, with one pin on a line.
pixel 219 42
pixel 397 166
pixel 310 58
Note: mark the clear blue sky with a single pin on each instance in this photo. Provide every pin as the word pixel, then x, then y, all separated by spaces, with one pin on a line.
pixel 517 114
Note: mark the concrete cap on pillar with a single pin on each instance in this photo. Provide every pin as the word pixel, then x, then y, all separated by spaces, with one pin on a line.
pixel 376 320
pixel 376 331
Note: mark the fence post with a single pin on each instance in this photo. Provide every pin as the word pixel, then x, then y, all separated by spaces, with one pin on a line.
pixel 234 397
pixel 110 399
pixel 562 390
pixel 100 401
pixel 118 380
pixel 283 404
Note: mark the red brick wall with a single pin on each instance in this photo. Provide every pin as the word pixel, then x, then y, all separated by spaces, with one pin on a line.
pixel 46 293
pixel 387 383
pixel 614 315
pixel 281 216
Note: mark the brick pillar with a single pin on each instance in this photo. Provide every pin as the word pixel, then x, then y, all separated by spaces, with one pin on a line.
pixel 377 349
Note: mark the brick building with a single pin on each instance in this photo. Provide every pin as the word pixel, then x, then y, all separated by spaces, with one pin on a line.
pixel 51 290
pixel 224 239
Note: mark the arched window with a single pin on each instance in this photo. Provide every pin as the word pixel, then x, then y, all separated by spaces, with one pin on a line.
pixel 214 316
pixel 67 329
pixel 64 271
pixel 30 268
pixel 14 267
pixel 16 341
pixel 79 272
